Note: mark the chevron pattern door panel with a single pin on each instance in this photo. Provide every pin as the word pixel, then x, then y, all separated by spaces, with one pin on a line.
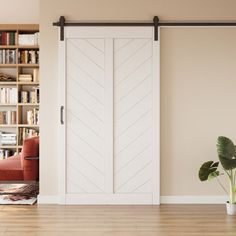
pixel 110 145
pixel 85 116
pixel 132 116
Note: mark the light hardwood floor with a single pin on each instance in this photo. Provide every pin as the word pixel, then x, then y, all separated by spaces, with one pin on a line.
pixel 173 220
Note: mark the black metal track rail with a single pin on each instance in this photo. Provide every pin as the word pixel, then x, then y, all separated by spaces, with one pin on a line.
pixel 156 23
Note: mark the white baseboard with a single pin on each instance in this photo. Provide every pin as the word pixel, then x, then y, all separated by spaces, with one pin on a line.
pixel 47 199
pixel 108 199
pixel 193 199
pixel 54 199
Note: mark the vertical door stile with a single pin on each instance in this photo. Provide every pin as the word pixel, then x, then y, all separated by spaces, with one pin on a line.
pixel 62 125
pixel 156 119
pixel 108 144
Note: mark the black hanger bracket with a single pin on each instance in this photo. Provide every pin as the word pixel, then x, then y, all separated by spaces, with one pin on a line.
pixel 155 22
pixel 62 21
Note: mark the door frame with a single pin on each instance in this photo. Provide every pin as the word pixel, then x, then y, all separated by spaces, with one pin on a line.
pixel 109 198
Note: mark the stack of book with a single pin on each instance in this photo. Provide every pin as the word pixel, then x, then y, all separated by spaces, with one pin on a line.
pixel 28 39
pixel 8 139
pixel 30 96
pixel 32 116
pixel 29 56
pixel 8 117
pixel 7 56
pixel 25 133
pixel 5 153
pixel 7 38
pixel 25 78
pixel 8 95
pixel 33 96
pixel 30 77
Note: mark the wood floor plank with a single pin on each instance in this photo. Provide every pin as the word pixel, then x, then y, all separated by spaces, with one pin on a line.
pixel 164 220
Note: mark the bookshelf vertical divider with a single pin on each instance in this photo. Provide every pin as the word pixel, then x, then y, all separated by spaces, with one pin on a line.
pixel 24 67
pixel 17 88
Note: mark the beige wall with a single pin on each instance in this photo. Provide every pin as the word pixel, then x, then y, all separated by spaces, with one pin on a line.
pixel 19 12
pixel 198 68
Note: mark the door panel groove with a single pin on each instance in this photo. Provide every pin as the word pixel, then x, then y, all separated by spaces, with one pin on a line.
pixel 84 71
pixel 85 55
pixel 132 72
pixel 86 90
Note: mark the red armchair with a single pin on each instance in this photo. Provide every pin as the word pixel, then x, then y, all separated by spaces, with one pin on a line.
pixel 24 167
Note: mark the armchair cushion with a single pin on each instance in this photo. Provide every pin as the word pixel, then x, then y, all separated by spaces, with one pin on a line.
pixel 24 167
pixel 30 167
pixel 10 169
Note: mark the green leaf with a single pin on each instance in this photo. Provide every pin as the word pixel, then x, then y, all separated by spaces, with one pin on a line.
pixel 213 175
pixel 226 152
pixel 206 169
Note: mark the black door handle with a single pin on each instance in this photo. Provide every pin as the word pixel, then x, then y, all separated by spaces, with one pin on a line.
pixel 62 111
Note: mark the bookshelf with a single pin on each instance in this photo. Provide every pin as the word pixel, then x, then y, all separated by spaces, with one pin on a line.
pixel 18 59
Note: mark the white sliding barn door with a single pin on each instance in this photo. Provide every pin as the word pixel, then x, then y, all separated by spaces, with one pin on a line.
pixel 110 138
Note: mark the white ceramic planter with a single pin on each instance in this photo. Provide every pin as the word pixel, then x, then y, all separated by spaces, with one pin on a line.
pixel 231 208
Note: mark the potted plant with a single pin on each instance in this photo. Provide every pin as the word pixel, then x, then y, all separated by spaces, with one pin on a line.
pixel 209 170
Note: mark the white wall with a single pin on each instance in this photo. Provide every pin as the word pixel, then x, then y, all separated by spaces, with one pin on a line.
pixel 19 12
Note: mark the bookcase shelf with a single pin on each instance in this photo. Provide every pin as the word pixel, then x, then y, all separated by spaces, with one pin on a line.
pixel 28 47
pixel 19 46
pixel 8 65
pixel 8 126
pixel 20 83
pixel 8 83
pixel 27 83
pixel 8 147
pixel 28 126
pixel 8 104
pixel 18 65
pixel 19 125
pixel 28 104
pixel 21 109
pixel 8 46
pixel 28 65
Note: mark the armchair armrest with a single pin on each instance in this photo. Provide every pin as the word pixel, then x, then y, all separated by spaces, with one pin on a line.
pixel 31 158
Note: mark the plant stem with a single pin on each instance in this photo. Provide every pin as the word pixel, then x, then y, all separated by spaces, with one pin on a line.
pixel 235 179
pixel 232 187
pixel 234 184
pixel 222 186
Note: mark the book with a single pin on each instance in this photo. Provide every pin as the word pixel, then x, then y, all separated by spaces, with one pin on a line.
pixel 24 96
pixel 28 56
pixel 7 56
pixel 32 116
pixel 28 39
pixel 8 138
pixel 8 95
pixel 36 75
pixel 31 96
pixel 7 38
pixel 5 153
pixel 32 57
pixel 25 78
pixel 25 133
pixel 7 118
